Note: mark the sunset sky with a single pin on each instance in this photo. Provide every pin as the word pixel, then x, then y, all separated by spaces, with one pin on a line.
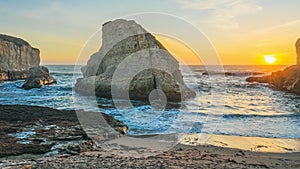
pixel 242 31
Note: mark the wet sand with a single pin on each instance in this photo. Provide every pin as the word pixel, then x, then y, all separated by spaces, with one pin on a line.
pixel 256 144
pixel 181 156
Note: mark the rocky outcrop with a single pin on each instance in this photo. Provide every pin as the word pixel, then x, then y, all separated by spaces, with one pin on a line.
pixel 39 130
pixel 16 57
pixel 286 80
pixel 298 51
pixel 131 62
pixel 38 76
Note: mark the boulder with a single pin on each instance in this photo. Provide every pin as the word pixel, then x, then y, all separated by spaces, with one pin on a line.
pixel 38 76
pixel 132 63
pixel 16 57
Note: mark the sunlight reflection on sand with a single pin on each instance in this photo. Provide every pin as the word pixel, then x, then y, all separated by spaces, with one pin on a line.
pixel 258 144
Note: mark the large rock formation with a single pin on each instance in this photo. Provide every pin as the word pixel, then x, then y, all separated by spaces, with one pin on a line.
pixel 38 76
pixel 298 51
pixel 131 62
pixel 16 57
pixel 286 80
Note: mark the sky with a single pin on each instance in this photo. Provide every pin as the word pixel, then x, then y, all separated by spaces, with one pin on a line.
pixel 240 31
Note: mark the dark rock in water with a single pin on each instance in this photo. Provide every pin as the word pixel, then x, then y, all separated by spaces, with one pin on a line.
pixel 262 79
pixel 131 62
pixel 16 57
pixel 298 51
pixel 38 76
pixel 231 73
pixel 286 80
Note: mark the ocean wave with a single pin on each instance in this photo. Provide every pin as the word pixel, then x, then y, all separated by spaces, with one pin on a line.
pixel 204 73
pixel 66 73
pixel 231 116
pixel 235 115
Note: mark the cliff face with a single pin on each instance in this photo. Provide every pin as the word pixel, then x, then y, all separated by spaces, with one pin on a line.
pixel 112 33
pixel 16 57
pixel 298 51
pixel 131 61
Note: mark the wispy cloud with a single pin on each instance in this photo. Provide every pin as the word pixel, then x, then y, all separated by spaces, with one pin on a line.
pixel 223 14
pixel 279 34
pixel 285 27
pixel 56 15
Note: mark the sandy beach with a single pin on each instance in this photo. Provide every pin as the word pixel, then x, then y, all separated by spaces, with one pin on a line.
pixel 181 156
pixel 217 152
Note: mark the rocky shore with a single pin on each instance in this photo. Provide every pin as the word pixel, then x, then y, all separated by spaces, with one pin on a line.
pixel 285 80
pixel 39 137
pixel 41 130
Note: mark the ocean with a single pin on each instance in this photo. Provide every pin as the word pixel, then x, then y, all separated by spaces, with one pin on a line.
pixel 225 104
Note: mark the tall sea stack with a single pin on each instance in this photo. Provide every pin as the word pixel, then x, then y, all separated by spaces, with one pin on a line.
pixel 16 57
pixel 132 61
pixel 298 51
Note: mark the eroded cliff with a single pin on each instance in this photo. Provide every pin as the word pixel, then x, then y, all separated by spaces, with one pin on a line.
pixel 16 57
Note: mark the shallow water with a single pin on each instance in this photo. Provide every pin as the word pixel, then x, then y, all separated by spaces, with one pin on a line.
pixel 225 105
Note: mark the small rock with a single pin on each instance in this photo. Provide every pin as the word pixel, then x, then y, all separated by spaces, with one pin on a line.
pixel 27 166
pixel 38 76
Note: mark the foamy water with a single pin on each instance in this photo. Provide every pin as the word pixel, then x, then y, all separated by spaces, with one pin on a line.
pixel 225 105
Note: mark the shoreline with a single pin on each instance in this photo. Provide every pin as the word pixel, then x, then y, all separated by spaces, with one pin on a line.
pixel 249 143
pixel 218 151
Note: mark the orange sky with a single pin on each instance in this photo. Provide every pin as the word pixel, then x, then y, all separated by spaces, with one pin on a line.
pixel 66 52
pixel 242 32
pixel 231 54
pixel 242 49
pixel 233 49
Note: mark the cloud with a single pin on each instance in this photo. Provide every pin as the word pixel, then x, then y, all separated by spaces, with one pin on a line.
pixel 291 26
pixel 56 15
pixel 222 14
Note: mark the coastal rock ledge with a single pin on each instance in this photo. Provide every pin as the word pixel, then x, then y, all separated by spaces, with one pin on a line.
pixel 286 80
pixel 16 57
pixel 132 63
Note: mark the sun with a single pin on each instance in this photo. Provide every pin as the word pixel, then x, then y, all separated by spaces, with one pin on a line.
pixel 270 59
